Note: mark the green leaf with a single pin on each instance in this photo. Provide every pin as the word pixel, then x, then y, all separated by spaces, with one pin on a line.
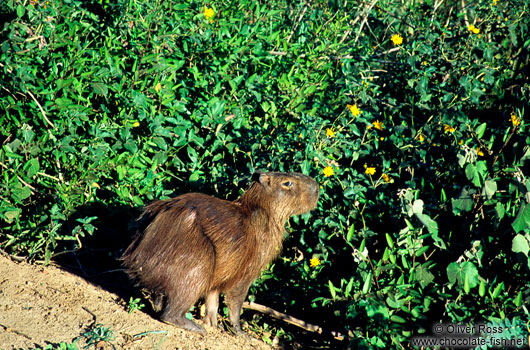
pixel 497 291
pixel 499 209
pixel 21 10
pixel 482 288
pixel 332 289
pixel 349 235
pixel 100 88
pixel 490 187
pixel 480 130
pixel 519 299
pixel 430 224
pixel 522 221
pixel 377 310
pixel 389 241
pixel 458 273
pixel 31 167
pixel 464 203
pixel 423 276
pixel 520 244
pixel 367 283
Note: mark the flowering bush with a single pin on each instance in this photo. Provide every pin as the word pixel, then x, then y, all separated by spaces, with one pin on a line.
pixel 411 116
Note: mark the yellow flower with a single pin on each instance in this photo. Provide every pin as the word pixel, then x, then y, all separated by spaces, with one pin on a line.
pixel 378 125
pixel 495 2
pixel 385 177
pixel 158 86
pixel 370 171
pixel 479 152
pixel 330 132
pixel 328 171
pixel 449 128
pixel 460 142
pixel 473 29
pixel 421 138
pixel 354 110
pixel 396 39
pixel 515 121
pixel 314 262
pixel 136 124
pixel 208 13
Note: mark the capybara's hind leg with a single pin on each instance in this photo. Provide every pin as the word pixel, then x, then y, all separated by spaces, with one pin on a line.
pixel 175 313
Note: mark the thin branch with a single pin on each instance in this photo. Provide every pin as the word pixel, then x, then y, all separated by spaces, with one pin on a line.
pixel 463 4
pixel 365 19
pixel 18 177
pixel 291 320
pixel 297 23
pixel 41 110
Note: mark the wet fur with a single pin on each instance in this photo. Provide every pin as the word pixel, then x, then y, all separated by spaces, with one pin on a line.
pixel 195 245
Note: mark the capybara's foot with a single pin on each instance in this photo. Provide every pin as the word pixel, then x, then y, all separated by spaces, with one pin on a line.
pixel 184 323
pixel 240 333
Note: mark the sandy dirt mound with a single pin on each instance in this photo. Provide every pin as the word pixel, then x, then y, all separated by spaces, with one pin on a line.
pixel 46 305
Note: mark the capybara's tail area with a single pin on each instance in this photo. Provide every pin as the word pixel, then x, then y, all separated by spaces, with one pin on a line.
pixel 171 250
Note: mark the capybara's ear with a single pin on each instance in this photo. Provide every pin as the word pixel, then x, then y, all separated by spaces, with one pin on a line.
pixel 265 180
pixel 262 178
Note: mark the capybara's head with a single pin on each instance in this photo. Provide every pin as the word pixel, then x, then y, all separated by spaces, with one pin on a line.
pixel 286 194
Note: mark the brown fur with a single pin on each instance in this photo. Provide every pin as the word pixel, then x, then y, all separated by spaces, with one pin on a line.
pixel 195 245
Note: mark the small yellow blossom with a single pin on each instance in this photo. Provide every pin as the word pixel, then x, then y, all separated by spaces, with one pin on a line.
pixel 495 2
pixel 421 138
pixel 397 39
pixel 209 14
pixel 479 152
pixel 328 171
pixel 473 29
pixel 449 128
pixel 136 124
pixel 330 132
pixel 460 142
pixel 515 121
pixel 314 262
pixel 370 171
pixel 385 177
pixel 378 125
pixel 300 136
pixel 354 110
pixel 158 86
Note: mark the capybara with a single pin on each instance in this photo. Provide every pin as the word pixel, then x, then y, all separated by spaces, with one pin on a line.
pixel 195 245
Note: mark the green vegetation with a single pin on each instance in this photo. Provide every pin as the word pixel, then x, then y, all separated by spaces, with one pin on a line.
pixel 413 116
pixel 97 336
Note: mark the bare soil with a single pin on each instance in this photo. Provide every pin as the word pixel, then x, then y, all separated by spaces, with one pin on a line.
pixel 41 305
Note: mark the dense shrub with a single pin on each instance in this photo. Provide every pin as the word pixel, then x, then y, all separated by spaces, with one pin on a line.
pixel 412 115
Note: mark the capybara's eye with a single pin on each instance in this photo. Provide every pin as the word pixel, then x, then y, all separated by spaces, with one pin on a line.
pixel 287 184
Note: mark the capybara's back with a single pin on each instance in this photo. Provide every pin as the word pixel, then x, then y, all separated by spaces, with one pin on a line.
pixel 196 245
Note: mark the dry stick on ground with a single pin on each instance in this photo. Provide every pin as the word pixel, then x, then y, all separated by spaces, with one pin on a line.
pixel 291 320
